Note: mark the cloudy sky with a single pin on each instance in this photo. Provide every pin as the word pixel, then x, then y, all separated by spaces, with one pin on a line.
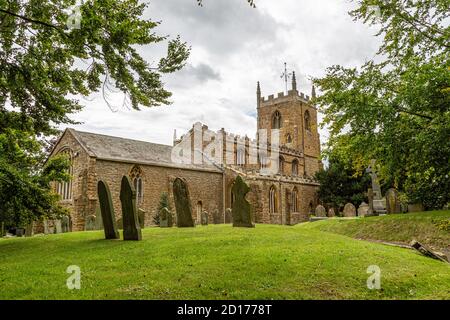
pixel 233 46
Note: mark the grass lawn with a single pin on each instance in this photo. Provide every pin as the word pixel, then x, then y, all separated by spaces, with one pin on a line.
pixel 217 262
pixel 431 228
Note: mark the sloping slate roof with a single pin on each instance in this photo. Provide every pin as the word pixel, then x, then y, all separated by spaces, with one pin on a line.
pixel 128 150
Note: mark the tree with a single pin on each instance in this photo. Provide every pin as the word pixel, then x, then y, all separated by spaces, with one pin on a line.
pixel 44 60
pixel 397 110
pixel 340 183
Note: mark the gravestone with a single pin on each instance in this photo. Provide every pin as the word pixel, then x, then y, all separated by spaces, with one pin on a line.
pixel 65 224
pixel 331 212
pixel 216 216
pixel 204 218
pixel 89 223
pixel 182 204
pixel 107 211
pixel 58 227
pixel 98 218
pixel 228 216
pixel 320 211
pixel 349 210
pixel 363 209
pixel 165 218
pixel 29 229
pixel 392 201
pixel 131 227
pixel 415 207
pixel 46 227
pixel 141 217
pixel 241 207
pixel 379 203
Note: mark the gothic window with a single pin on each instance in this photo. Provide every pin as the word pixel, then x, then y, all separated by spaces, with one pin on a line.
pixel 294 200
pixel 64 188
pixel 136 177
pixel 240 157
pixel 307 121
pixel 288 138
pixel 276 120
pixel 295 167
pixel 272 200
pixel 281 165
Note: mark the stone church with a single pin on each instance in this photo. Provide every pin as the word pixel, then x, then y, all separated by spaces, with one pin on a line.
pixel 286 196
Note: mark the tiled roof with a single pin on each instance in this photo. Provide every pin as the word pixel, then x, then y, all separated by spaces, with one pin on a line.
pixel 128 150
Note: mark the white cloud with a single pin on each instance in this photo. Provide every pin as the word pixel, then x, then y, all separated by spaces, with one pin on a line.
pixel 233 46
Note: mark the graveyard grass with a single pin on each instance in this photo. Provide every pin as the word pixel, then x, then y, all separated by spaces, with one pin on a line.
pixel 219 262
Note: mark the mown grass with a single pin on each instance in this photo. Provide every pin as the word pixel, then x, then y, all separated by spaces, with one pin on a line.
pixel 431 228
pixel 216 262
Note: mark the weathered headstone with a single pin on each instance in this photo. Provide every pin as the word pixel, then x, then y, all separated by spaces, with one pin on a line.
pixel 204 218
pixel 107 211
pixel 392 201
pixel 378 203
pixel 46 227
pixel 165 218
pixel 363 209
pixel 131 227
pixel 65 224
pixel 29 229
pixel 141 217
pixel 428 252
pixel 58 227
pixel 216 216
pixel 228 216
pixel 331 212
pixel 320 211
pixel 349 210
pixel 89 223
pixel 182 204
pixel 415 207
pixel 241 209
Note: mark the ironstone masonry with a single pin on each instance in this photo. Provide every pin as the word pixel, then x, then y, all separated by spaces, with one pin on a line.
pixel 284 197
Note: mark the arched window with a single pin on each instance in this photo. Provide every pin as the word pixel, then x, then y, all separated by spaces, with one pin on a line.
pixel 295 167
pixel 276 120
pixel 281 165
pixel 307 121
pixel 288 138
pixel 272 200
pixel 136 177
pixel 64 188
pixel 240 157
pixel 294 200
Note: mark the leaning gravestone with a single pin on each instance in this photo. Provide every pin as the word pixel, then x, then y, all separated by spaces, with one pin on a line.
pixel 204 218
pixel 107 211
pixel 320 211
pixel 165 218
pixel 363 209
pixel 182 204
pixel 392 201
pixel 131 227
pixel 241 208
pixel 216 216
pixel 349 210
pixel 89 223
pixel 228 216
pixel 331 212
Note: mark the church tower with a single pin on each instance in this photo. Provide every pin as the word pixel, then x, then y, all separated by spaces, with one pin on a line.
pixel 296 118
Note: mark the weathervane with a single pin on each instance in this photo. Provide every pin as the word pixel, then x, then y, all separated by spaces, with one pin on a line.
pixel 286 75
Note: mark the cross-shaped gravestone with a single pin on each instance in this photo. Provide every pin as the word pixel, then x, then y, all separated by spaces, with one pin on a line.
pixel 375 181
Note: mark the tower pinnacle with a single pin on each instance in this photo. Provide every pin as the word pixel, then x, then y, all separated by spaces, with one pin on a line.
pixel 313 92
pixel 294 81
